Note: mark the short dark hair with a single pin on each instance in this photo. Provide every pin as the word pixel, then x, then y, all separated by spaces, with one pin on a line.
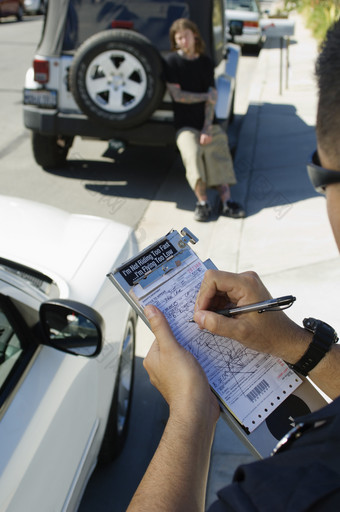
pixel 327 71
pixel 183 24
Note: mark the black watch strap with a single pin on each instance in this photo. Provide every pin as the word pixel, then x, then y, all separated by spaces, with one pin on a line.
pixel 323 339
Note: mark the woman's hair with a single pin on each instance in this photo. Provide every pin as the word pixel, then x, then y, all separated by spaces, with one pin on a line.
pixel 183 24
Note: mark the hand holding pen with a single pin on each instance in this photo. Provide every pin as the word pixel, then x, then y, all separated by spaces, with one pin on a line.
pixel 245 293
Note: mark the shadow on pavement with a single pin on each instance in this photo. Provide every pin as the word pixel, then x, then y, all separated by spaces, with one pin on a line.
pixel 270 165
pixel 271 169
pixel 135 173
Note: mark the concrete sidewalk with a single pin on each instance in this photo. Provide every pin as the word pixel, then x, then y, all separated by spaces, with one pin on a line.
pixel 286 236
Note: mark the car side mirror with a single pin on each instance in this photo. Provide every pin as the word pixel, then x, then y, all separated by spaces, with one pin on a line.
pixel 236 28
pixel 71 327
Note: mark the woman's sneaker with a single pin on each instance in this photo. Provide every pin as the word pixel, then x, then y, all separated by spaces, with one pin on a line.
pixel 202 212
pixel 232 209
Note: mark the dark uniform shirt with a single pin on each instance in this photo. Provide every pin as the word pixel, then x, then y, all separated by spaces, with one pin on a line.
pixel 304 477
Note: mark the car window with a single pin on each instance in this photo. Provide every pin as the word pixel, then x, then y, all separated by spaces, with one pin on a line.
pixel 150 18
pixel 218 29
pixel 243 5
pixel 17 346
pixel 10 346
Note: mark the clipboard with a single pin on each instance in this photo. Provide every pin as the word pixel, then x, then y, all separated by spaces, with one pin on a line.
pixel 258 394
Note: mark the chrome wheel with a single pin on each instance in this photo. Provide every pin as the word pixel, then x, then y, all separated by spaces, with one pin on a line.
pixel 116 81
pixel 116 78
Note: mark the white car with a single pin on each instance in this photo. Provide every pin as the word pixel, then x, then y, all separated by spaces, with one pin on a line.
pixel 243 22
pixel 35 6
pixel 67 342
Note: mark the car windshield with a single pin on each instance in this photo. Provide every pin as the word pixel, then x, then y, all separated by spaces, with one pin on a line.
pixel 29 277
pixel 242 5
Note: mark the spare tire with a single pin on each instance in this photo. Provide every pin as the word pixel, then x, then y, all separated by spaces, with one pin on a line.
pixel 115 78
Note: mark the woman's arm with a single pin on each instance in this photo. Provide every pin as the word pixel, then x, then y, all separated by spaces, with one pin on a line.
pixel 181 96
pixel 209 111
pixel 206 133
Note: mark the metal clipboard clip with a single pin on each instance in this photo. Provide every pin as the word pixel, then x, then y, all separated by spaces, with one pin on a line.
pixel 187 236
pixel 172 262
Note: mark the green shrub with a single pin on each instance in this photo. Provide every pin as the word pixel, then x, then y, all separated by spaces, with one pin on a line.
pixel 319 14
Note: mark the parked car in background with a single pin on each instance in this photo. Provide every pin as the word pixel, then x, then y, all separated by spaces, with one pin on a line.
pixel 67 341
pixel 244 19
pixel 97 72
pixel 12 8
pixel 35 6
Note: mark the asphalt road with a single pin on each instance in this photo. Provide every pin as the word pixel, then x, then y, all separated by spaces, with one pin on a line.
pixel 96 180
pixel 99 182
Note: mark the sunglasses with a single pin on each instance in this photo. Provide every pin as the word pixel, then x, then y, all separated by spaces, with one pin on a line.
pixel 319 176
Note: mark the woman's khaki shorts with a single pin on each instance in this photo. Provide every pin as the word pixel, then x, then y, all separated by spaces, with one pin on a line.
pixel 211 163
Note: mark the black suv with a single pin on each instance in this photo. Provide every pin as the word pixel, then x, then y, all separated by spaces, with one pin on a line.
pixel 97 72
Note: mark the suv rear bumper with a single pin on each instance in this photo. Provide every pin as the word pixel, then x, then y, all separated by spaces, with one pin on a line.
pixel 52 123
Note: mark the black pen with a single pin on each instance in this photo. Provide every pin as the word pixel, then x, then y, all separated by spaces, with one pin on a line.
pixel 260 307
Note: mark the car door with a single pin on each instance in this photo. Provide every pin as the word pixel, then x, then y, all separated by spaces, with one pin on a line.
pixel 48 418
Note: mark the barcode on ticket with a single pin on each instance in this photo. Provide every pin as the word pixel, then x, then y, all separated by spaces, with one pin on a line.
pixel 258 390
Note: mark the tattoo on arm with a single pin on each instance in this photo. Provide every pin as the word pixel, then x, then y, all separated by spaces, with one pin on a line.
pixel 186 96
pixel 209 117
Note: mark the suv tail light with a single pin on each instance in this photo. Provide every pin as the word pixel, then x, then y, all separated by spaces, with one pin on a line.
pixel 41 70
pixel 122 24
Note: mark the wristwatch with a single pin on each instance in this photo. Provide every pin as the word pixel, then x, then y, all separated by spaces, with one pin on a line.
pixel 323 339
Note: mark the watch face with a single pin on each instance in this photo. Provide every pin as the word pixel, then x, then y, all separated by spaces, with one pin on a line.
pixel 310 324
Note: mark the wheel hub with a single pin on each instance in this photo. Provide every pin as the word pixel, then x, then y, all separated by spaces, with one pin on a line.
pixel 116 81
